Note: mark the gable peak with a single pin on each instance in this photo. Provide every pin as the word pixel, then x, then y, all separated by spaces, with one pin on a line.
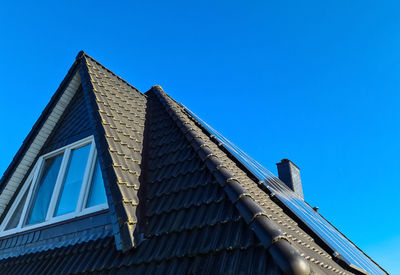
pixel 80 55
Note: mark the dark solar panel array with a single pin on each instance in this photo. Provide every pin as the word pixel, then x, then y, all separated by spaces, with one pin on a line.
pixel 342 247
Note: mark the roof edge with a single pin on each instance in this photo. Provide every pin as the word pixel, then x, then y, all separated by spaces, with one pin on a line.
pixel 39 122
pixel 284 254
pixel 83 54
pixel 123 239
pixel 80 54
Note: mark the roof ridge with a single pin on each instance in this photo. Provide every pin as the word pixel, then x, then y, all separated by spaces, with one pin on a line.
pixel 285 255
pixel 83 54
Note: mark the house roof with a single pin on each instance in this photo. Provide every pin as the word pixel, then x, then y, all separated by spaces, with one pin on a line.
pixel 179 203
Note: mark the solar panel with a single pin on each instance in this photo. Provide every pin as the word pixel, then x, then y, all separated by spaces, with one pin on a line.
pixel 342 247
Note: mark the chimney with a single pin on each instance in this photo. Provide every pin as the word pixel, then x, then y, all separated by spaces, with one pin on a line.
pixel 289 173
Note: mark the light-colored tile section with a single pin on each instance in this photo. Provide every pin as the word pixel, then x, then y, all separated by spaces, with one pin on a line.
pixel 38 142
pixel 122 110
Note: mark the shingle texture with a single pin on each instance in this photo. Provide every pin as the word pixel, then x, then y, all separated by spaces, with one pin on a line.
pixel 102 257
pixel 179 204
pixel 118 110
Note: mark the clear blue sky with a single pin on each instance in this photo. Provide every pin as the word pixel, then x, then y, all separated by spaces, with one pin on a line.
pixel 316 82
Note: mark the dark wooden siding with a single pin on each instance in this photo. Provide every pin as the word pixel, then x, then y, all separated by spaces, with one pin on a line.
pixel 73 125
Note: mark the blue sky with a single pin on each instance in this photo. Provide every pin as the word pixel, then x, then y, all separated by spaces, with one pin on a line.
pixel 316 82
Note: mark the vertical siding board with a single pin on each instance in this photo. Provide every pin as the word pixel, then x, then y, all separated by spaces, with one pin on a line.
pixel 73 125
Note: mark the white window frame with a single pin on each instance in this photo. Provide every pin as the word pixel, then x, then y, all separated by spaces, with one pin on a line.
pixel 32 182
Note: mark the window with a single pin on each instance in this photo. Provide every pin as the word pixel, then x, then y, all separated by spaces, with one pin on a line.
pixel 63 184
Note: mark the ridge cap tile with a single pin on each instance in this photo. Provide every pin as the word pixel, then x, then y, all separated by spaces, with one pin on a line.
pixel 212 161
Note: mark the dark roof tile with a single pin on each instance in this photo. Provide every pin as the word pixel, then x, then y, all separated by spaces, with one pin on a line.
pixel 120 111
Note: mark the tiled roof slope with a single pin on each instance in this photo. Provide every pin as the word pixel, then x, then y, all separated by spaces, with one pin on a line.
pixel 180 204
pixel 118 111
pixel 102 257
pixel 262 214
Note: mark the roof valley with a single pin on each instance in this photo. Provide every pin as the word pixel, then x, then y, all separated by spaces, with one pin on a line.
pixel 142 224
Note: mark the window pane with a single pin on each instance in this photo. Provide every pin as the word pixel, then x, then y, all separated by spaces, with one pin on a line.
pixel 97 194
pixel 73 181
pixel 44 189
pixel 13 222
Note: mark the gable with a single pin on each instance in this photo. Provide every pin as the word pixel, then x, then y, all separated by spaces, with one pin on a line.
pixel 96 108
pixel 70 140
